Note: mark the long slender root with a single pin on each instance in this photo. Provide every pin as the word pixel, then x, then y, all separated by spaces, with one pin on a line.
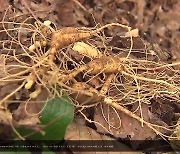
pixel 114 104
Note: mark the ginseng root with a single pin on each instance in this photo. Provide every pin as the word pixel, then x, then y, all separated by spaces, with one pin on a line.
pixel 66 36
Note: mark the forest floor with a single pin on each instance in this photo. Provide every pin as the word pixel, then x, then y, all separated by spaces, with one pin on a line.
pixel 123 80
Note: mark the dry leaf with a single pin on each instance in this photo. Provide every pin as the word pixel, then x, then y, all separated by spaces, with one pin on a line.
pixel 175 51
pixel 122 125
pixel 5 117
pixel 7 89
pixel 78 132
pixel 80 16
pixel 140 12
pixel 44 8
pixel 66 15
pixel 32 108
pixel 4 5
pixel 171 19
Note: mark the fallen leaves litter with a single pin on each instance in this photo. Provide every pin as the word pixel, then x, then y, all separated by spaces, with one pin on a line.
pixel 79 132
pixel 121 125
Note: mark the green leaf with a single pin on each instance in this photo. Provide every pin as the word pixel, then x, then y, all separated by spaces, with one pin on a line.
pixel 57 114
